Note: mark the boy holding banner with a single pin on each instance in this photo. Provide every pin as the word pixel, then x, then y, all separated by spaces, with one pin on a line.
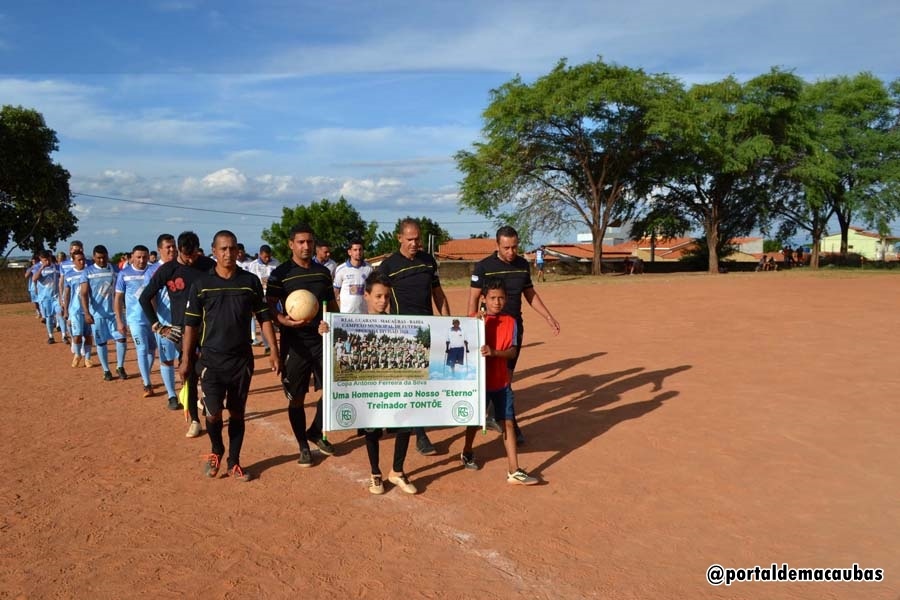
pixel 499 347
pixel 377 295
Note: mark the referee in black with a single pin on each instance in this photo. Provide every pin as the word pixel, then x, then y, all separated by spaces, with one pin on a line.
pixel 414 277
pixel 514 270
pixel 218 313
pixel 301 343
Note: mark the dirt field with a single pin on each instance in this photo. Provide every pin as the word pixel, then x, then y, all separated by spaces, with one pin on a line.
pixel 677 421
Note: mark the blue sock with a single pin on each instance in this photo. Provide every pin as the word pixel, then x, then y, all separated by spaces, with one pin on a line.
pixel 48 321
pixel 143 358
pixel 103 355
pixel 86 350
pixel 167 372
pixel 121 346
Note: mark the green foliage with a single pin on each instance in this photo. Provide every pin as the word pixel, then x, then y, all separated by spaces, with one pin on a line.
pixel 570 149
pixel 423 336
pixel 334 222
pixel 35 201
pixel 772 246
pixel 726 143
pixel 387 243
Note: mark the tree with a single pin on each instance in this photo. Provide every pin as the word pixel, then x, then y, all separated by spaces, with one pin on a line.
pixel 855 169
pixel 727 142
pixel 386 243
pixel 334 222
pixel 35 201
pixel 570 149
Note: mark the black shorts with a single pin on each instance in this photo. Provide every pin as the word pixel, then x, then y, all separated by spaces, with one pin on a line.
pixel 225 388
pixel 455 356
pixel 297 364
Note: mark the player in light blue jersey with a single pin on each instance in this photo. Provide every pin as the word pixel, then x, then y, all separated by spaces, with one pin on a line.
pixel 168 350
pixel 46 284
pixel 97 301
pixel 129 285
pixel 73 312
pixel 29 281
pixel 66 265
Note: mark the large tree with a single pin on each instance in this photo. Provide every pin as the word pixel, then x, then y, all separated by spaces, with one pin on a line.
pixel 727 142
pixel 35 201
pixel 386 242
pixel 334 222
pixel 855 171
pixel 570 149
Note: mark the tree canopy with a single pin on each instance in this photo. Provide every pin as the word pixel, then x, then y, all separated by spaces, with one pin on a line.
pixel 386 242
pixel 35 201
pixel 337 223
pixel 573 148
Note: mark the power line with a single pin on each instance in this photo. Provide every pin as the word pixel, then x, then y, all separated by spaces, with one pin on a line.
pixel 228 212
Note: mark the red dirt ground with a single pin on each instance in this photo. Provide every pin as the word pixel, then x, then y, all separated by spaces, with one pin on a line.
pixel 677 421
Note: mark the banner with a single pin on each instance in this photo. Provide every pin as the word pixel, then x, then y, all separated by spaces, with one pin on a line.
pixel 397 371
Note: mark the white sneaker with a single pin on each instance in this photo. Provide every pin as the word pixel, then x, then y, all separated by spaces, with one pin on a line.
pixel 194 430
pixel 520 477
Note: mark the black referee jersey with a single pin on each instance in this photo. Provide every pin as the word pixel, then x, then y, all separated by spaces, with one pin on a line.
pixel 222 308
pixel 412 281
pixel 515 275
pixel 289 276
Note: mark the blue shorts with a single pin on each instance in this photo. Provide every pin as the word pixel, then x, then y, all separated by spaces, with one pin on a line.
pixel 105 330
pixel 168 351
pixel 143 336
pixel 49 307
pixel 504 405
pixel 76 324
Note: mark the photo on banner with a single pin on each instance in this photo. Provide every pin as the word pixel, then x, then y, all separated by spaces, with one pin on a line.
pixel 402 371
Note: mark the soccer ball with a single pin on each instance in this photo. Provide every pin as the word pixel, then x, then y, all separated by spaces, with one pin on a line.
pixel 301 305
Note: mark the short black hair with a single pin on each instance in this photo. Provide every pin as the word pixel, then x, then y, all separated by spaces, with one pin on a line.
pixel 100 249
pixel 492 283
pixel 140 248
pixel 164 237
pixel 265 248
pixel 188 241
pixel 225 233
pixel 301 228
pixel 45 254
pixel 322 244
pixel 507 231
pixel 376 277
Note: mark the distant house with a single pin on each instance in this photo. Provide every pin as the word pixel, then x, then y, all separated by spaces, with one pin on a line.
pixel 871 245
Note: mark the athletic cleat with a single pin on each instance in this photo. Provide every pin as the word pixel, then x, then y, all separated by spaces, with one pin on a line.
pixel 50 340
pixel 148 391
pixel 256 343
pixel 468 461
pixel 194 430
pixel 376 486
pixel 238 474
pixel 120 371
pixel 88 363
pixel 107 376
pixel 324 446
pixel 66 340
pixel 77 361
pixel 402 482
pixel 211 468
pixel 173 403
pixel 305 459
pixel 424 447
pixel 520 477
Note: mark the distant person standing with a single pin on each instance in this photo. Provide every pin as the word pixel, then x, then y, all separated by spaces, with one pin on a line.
pixel 506 264
pixel 350 279
pixel 457 346
pixel 262 267
pixel 415 281
pixel 323 256
pixel 130 317
pixel 539 263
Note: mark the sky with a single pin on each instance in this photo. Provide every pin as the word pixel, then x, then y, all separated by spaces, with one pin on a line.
pixel 247 107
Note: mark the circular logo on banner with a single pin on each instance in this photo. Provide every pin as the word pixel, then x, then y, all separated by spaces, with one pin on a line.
pixel 463 412
pixel 346 415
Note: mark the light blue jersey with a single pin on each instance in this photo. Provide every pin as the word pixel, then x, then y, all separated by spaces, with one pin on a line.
pixel 73 279
pixel 163 304
pixel 102 286
pixel 130 282
pixel 47 285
